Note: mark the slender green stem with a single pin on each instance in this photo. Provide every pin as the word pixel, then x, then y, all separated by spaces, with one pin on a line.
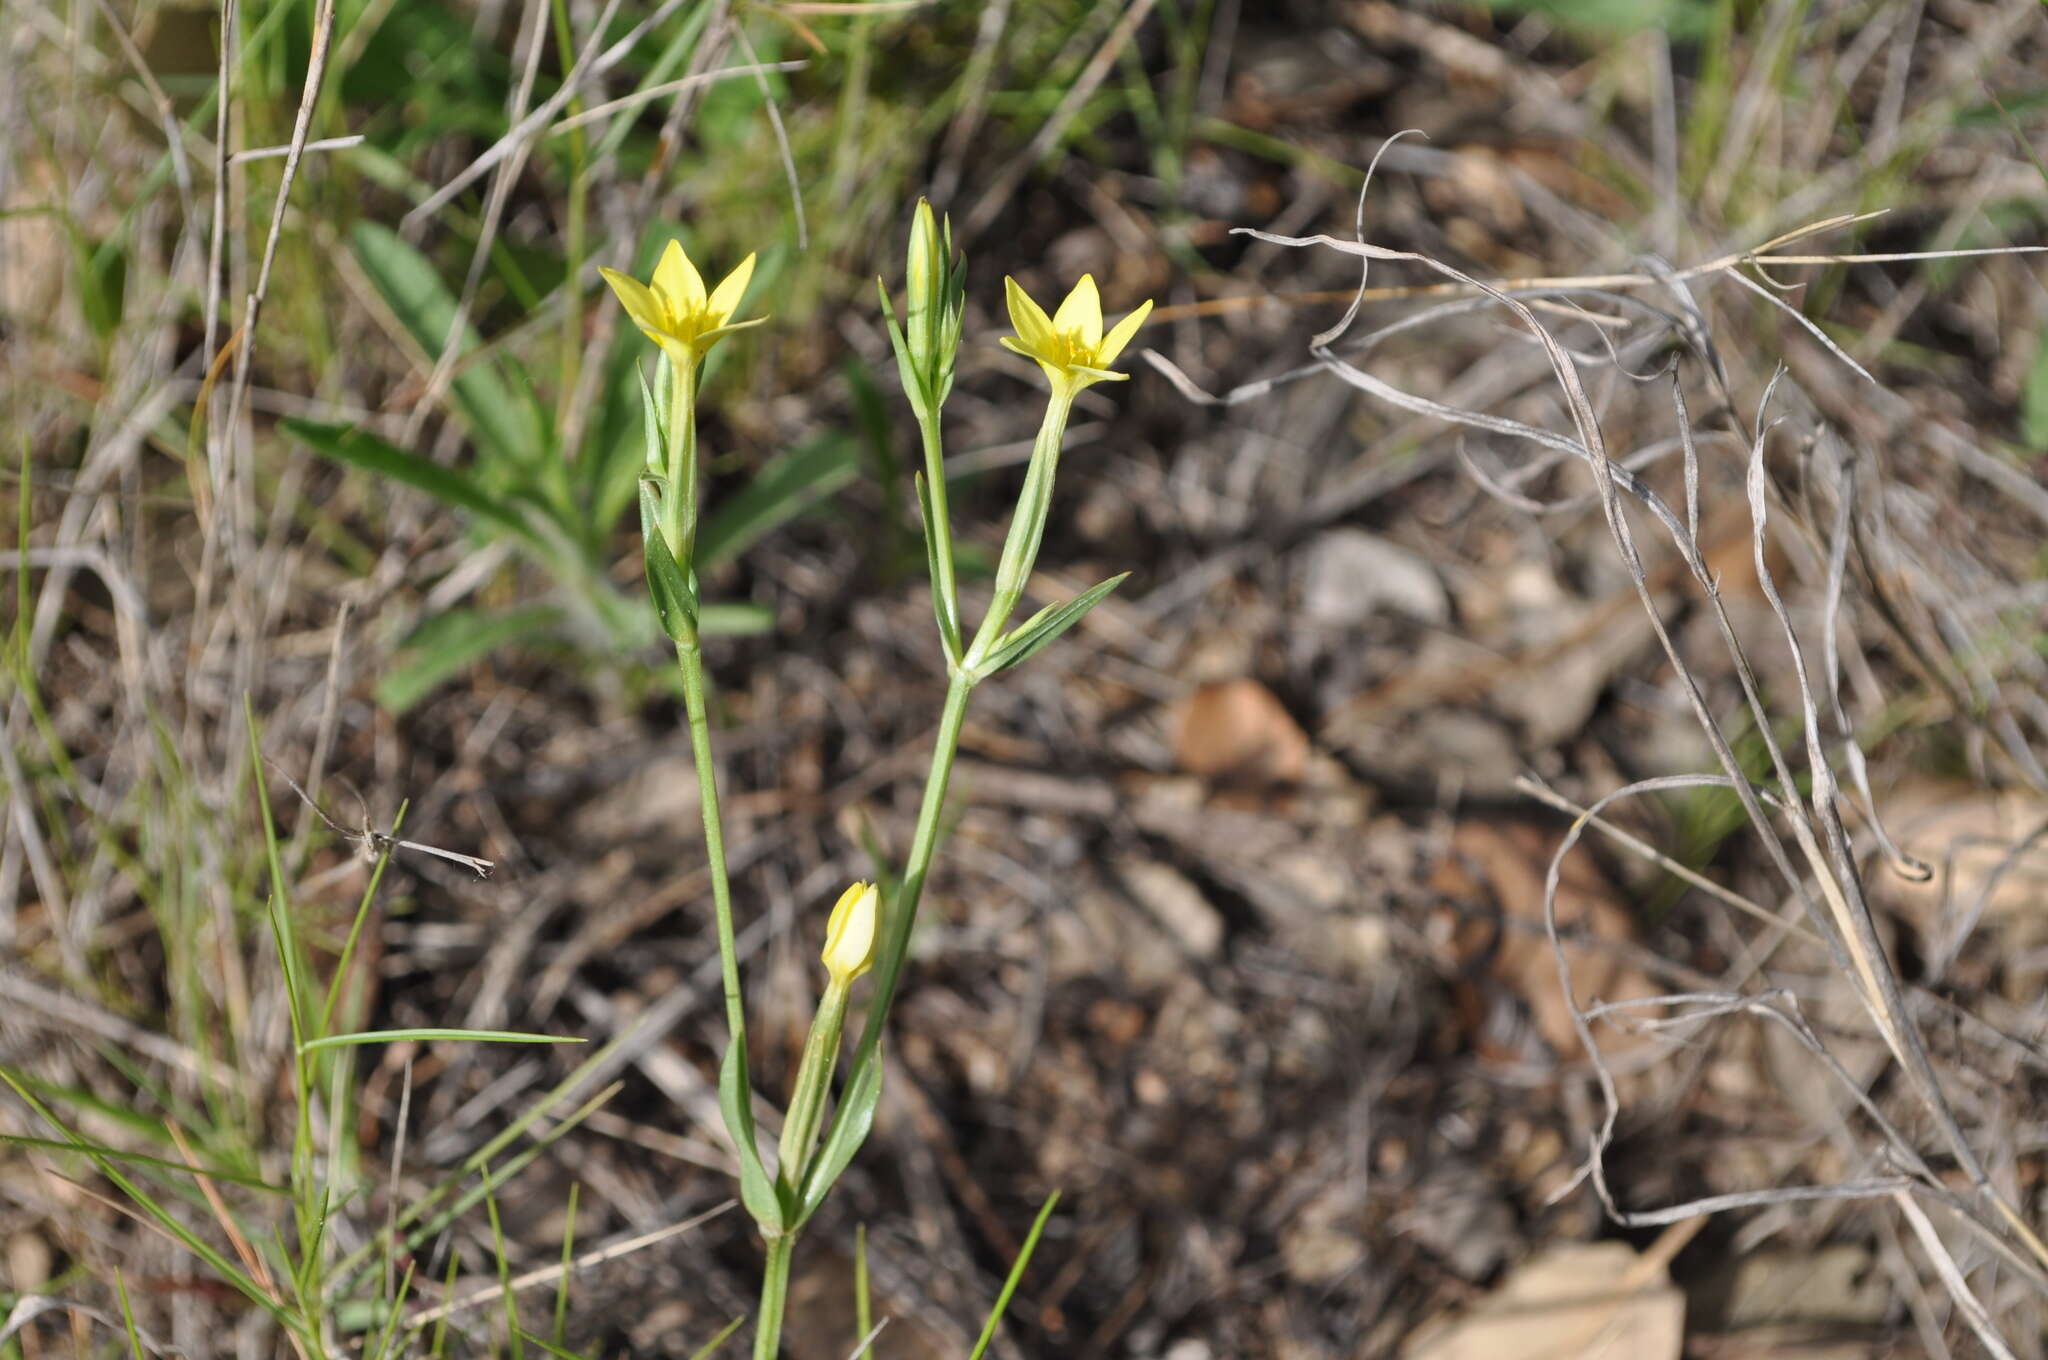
pixel 690 659
pixel 774 1298
pixel 941 528
pixel 896 939
pixel 679 527
pixel 813 1082
pixel 1027 526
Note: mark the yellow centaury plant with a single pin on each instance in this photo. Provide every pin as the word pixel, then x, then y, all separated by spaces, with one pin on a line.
pixel 682 317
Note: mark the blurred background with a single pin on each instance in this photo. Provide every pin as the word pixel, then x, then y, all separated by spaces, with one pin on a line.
pixel 314 402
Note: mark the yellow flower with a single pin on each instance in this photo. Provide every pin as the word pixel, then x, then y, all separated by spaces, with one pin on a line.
pixel 676 313
pixel 1070 345
pixel 850 934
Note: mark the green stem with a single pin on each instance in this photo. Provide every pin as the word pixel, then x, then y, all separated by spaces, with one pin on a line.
pixel 679 527
pixel 690 659
pixel 941 528
pixel 813 1082
pixel 896 940
pixel 1027 526
pixel 774 1298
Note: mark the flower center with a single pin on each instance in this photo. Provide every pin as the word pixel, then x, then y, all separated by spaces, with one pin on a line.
pixel 1072 350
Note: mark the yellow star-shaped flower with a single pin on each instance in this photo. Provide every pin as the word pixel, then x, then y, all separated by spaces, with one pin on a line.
pixel 1070 345
pixel 675 312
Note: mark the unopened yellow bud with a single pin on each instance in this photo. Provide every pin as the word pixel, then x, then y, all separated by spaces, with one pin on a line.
pixel 850 934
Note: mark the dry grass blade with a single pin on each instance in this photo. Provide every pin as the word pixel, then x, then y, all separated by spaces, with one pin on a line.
pixel 1828 883
pixel 597 1256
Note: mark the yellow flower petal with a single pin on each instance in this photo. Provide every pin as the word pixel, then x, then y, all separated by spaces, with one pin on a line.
pixel 1082 312
pixel 678 281
pixel 1034 327
pixel 731 291
pixel 639 301
pixel 704 340
pixel 1113 343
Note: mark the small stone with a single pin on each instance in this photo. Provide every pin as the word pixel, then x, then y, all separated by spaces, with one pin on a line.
pixel 1175 902
pixel 1350 575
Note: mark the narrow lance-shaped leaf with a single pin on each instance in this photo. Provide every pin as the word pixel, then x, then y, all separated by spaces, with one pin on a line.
pixel 735 1102
pixel 450 642
pixel 851 1123
pixel 426 307
pixel 1035 633
pixel 913 382
pixel 675 600
pixel 1017 1268
pixel 360 448
pixel 430 1035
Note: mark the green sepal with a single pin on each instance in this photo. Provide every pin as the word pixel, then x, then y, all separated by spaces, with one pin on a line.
pixel 946 608
pixel 1030 637
pixel 906 369
pixel 675 598
pixel 653 420
pixel 851 1123
pixel 735 1102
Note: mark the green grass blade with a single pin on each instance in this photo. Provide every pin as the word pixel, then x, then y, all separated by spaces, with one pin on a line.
pixel 213 1173
pixel 710 1347
pixel 430 1034
pixel 568 1264
pixel 355 931
pixel 995 1316
pixel 163 1218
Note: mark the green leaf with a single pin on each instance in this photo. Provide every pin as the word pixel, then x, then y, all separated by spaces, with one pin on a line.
pixel 450 643
pixel 142 1159
pixel 103 284
pixel 944 607
pixel 360 448
pixel 736 1103
pixel 710 1348
pixel 431 1034
pixel 2034 400
pixel 995 1316
pixel 652 421
pixel 1027 639
pixel 850 1125
pixel 789 485
pixel 413 290
pixel 906 371
pixel 675 599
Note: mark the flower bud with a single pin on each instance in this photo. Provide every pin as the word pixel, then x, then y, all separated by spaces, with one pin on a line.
pixel 935 288
pixel 850 934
